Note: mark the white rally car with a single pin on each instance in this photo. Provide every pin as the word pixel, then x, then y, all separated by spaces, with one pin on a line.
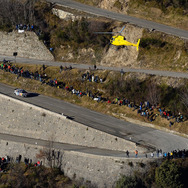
pixel 21 92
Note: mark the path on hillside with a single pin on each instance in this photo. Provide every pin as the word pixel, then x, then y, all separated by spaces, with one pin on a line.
pixel 63 146
pixel 126 130
pixel 70 147
pixel 86 66
pixel 122 17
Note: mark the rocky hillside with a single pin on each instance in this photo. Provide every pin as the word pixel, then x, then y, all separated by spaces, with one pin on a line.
pixel 157 50
pixel 72 36
pixel 124 57
pixel 115 5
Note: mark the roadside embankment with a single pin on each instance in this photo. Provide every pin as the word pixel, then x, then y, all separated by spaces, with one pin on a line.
pixel 23 119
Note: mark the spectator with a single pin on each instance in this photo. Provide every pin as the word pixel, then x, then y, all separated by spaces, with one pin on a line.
pixel 136 153
pixel 127 152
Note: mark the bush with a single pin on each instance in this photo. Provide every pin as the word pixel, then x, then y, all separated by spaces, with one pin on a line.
pixel 165 4
pixel 129 182
pixel 118 5
pixel 169 174
pixel 151 42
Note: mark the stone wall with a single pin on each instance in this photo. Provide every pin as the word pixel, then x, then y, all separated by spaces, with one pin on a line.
pixel 26 44
pixel 23 119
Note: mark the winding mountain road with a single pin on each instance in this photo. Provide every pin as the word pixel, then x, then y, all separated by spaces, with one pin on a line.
pixel 139 134
pixel 86 66
pixel 122 17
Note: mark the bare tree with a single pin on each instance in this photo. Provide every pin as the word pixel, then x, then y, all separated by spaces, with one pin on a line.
pixel 184 98
pixel 153 94
pixel 13 12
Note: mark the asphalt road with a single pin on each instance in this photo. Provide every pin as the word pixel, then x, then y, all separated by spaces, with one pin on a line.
pixel 70 147
pixel 122 17
pixel 86 66
pixel 63 146
pixel 138 134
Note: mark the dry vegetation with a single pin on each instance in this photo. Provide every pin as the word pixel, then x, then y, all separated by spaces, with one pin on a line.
pixel 73 78
pixel 163 52
pixel 75 41
pixel 21 175
pixel 169 12
pixel 160 11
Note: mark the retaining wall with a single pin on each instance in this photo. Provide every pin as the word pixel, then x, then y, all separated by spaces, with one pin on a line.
pixel 23 119
pixel 26 44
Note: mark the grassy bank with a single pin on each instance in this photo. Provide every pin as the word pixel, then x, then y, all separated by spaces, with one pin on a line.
pixel 73 78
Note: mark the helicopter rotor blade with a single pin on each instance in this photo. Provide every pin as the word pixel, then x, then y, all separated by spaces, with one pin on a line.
pixel 105 32
pixel 122 29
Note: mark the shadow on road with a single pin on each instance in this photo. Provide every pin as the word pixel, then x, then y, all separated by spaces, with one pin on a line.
pixel 33 95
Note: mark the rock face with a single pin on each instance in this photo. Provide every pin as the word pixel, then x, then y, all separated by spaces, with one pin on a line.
pixel 25 44
pixel 65 15
pixel 115 5
pixel 124 57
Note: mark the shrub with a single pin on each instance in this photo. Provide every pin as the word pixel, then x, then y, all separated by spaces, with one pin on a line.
pixel 118 5
pixel 151 42
pixel 169 174
pixel 129 182
pixel 130 164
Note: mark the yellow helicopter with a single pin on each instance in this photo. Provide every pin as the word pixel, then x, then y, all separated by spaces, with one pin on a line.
pixel 119 40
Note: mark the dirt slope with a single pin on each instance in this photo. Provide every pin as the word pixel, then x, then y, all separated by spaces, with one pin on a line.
pixel 124 57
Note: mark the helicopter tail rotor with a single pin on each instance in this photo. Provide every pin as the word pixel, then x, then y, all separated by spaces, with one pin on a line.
pixel 138 44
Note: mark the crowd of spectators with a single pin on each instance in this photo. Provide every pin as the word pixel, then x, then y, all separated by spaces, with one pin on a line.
pixel 159 154
pixel 25 27
pixel 91 78
pixel 21 28
pixel 4 161
pixel 145 109
pixel 176 154
pixel 169 155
